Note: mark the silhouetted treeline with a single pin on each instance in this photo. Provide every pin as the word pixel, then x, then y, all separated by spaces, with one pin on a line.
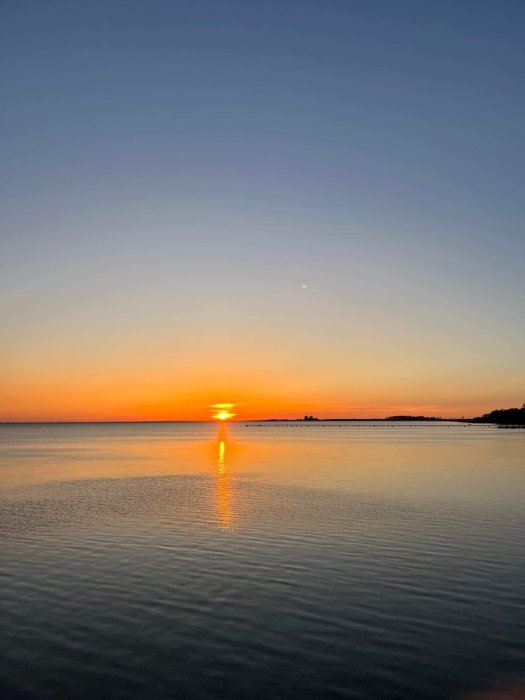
pixel 501 416
pixel 506 416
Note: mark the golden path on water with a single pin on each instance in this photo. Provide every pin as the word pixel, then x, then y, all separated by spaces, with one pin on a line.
pixel 224 487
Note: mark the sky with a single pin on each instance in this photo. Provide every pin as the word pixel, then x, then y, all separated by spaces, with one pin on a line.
pixel 289 205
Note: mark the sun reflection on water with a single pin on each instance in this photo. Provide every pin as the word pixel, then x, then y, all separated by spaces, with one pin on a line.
pixel 224 492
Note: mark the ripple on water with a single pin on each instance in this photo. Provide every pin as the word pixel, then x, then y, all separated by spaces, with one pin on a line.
pixel 164 587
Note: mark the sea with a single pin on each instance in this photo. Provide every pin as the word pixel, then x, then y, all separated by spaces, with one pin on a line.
pixel 289 560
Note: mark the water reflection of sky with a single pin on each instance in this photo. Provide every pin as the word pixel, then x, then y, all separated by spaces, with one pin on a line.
pixel 348 554
pixel 432 462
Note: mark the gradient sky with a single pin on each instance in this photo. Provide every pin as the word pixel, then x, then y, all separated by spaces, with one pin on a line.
pixel 174 172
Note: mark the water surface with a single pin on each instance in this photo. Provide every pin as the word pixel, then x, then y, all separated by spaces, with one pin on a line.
pixel 283 561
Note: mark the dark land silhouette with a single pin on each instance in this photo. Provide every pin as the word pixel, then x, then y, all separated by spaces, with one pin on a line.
pixel 504 416
pixel 500 416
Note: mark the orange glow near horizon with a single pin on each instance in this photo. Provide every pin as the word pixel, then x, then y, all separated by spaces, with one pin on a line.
pixel 164 394
pixel 116 403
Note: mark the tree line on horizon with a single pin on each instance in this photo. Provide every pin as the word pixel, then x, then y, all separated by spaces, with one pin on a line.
pixel 506 416
pixel 502 416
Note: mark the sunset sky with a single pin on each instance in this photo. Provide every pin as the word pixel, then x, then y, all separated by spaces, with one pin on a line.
pixel 286 205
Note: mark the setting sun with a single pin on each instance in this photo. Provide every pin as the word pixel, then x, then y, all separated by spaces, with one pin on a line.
pixel 223 412
pixel 223 415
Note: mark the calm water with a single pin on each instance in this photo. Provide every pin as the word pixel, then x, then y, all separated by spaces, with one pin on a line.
pixel 285 561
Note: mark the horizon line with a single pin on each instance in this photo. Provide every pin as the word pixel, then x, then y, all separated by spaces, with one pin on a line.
pixel 220 422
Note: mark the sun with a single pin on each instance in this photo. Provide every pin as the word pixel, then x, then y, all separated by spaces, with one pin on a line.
pixel 223 415
pixel 223 412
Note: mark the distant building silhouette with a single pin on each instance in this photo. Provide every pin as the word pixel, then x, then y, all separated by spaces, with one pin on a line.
pixel 309 418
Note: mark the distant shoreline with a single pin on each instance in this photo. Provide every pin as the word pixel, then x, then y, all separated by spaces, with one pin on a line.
pixel 364 420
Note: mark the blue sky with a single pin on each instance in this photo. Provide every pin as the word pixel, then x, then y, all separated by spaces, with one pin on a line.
pixel 188 165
